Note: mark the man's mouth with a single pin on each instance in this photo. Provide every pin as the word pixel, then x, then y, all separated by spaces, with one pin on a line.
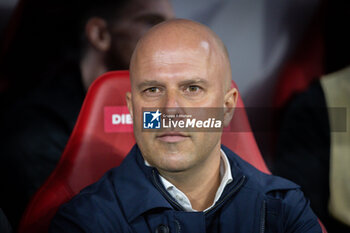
pixel 172 137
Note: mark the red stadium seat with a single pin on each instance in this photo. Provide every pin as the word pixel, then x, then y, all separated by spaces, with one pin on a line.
pixel 96 145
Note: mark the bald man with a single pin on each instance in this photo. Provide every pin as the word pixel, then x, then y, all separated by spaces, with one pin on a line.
pixel 177 179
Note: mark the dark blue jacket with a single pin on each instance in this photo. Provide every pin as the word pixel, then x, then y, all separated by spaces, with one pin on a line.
pixel 131 198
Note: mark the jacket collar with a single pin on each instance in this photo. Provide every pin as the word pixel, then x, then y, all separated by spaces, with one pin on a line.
pixel 134 184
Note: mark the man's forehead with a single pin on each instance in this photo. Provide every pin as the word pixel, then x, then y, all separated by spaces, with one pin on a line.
pixel 177 53
pixel 171 72
pixel 183 39
pixel 173 63
pixel 175 41
pixel 167 50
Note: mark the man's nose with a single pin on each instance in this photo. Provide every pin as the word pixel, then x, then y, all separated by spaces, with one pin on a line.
pixel 172 100
pixel 173 105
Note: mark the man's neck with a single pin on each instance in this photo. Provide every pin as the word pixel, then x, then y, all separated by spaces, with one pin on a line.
pixel 201 183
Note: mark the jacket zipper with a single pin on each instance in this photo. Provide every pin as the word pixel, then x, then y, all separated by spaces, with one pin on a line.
pixel 262 221
pixel 238 186
pixel 159 187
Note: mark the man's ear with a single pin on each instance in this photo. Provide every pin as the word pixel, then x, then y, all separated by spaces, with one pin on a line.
pixel 97 34
pixel 230 104
pixel 129 104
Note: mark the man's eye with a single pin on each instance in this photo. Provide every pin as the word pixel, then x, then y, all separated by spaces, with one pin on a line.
pixel 152 90
pixel 193 88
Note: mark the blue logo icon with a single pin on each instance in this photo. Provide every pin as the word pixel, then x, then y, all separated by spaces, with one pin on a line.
pixel 151 120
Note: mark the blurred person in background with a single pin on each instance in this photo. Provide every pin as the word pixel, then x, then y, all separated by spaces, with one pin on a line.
pixel 50 72
pixel 313 147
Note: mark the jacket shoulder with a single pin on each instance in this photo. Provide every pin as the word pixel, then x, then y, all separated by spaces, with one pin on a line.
pixel 83 212
pixel 256 179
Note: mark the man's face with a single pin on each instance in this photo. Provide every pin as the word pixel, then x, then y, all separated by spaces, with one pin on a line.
pixel 137 17
pixel 175 78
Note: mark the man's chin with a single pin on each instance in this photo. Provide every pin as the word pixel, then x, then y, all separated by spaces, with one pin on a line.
pixel 173 162
pixel 172 168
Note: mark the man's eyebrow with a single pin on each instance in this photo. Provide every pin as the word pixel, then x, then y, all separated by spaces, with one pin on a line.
pixel 194 81
pixel 148 83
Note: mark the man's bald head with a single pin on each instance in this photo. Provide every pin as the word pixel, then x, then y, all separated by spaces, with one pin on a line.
pixel 186 36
